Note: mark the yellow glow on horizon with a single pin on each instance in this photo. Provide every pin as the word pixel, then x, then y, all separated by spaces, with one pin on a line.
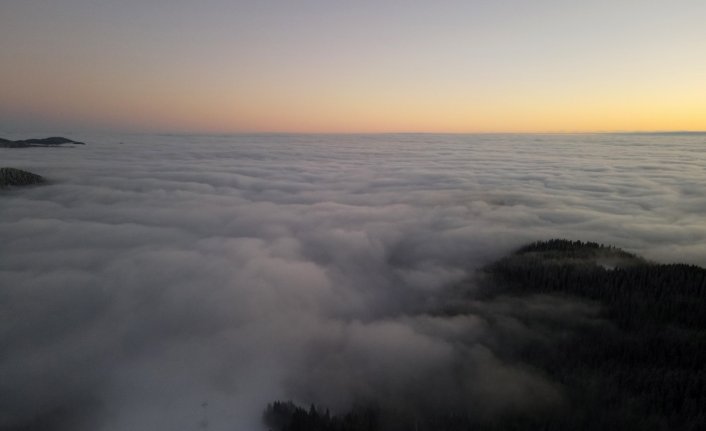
pixel 512 76
pixel 156 106
pixel 206 100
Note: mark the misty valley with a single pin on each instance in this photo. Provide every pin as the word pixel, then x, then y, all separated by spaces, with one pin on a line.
pixel 450 215
pixel 393 282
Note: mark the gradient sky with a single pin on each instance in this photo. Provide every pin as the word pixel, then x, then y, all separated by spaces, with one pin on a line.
pixel 353 66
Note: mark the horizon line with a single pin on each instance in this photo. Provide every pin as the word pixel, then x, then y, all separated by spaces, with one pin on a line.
pixel 353 133
pixel 271 133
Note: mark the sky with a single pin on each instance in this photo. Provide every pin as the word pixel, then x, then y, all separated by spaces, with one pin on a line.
pixel 218 66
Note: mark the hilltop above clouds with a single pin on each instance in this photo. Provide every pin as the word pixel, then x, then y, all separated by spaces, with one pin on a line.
pixel 54 141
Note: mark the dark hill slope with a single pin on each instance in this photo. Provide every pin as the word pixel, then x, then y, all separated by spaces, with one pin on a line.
pixel 18 177
pixel 636 293
pixel 640 366
pixel 644 369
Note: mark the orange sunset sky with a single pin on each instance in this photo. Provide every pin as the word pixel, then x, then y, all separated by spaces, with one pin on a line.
pixel 220 66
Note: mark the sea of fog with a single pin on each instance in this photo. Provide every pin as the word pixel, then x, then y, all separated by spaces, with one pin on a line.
pixel 183 282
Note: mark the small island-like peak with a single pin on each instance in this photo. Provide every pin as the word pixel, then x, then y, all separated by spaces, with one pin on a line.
pixel 18 177
pixel 53 141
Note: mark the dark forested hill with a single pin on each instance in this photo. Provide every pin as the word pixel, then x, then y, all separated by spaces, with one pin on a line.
pixel 642 368
pixel 18 177
pixel 645 370
pixel 637 294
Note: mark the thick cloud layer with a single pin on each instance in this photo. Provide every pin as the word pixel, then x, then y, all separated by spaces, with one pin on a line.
pixel 172 281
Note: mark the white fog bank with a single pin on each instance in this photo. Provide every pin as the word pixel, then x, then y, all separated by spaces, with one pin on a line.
pixel 153 276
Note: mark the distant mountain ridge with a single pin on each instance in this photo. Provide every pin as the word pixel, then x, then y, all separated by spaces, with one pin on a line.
pixel 52 141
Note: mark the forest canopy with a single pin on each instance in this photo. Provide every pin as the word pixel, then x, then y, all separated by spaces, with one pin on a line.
pixel 641 367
